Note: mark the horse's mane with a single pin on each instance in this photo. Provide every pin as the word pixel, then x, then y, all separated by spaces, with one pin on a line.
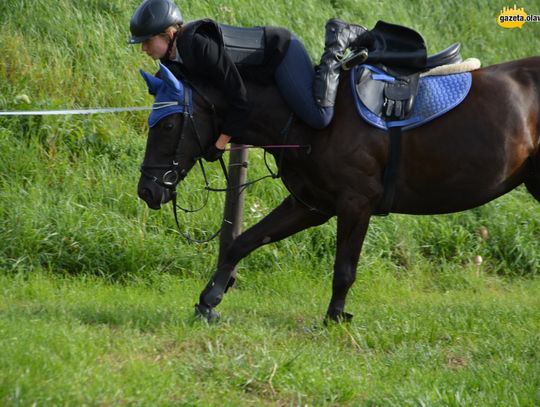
pixel 260 96
pixel 265 96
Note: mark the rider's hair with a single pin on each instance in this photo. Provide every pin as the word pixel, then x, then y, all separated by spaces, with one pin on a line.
pixel 177 28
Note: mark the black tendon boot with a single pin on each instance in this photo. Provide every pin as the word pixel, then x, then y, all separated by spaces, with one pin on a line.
pixel 339 37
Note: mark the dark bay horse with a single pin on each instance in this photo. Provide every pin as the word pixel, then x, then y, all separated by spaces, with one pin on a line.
pixel 482 149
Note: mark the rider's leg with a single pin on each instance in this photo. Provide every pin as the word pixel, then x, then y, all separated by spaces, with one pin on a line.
pixel 339 37
pixel 311 92
pixel 294 77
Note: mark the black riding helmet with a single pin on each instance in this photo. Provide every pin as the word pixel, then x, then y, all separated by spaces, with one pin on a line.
pixel 151 18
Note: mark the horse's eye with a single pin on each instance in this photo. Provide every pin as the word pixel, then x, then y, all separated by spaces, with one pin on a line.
pixel 169 126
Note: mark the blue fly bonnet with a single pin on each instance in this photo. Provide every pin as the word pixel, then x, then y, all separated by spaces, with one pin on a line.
pixel 172 96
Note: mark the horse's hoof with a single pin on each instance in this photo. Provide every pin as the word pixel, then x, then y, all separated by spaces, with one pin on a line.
pixel 342 317
pixel 206 313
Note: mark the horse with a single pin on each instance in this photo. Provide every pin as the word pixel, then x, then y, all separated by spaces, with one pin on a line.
pixel 478 151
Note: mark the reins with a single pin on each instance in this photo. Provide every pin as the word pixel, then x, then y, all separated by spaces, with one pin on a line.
pixel 240 188
pixel 179 174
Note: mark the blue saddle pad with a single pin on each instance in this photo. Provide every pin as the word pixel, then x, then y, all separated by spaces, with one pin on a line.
pixel 437 95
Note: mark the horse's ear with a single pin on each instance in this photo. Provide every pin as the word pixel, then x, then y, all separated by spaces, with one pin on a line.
pixel 169 78
pixel 152 82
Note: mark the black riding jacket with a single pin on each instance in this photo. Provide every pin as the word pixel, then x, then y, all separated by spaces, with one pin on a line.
pixel 203 54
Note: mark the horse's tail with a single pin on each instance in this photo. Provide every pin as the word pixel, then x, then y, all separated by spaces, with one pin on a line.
pixel 532 181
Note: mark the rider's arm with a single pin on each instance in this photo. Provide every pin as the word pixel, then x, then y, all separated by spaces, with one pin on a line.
pixel 216 65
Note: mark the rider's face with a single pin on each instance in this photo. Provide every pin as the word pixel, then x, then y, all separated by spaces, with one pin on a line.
pixel 156 46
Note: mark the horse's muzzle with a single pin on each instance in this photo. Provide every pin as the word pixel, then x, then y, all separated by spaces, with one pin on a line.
pixel 153 194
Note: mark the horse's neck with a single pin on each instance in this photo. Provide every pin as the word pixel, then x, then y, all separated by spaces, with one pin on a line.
pixel 268 117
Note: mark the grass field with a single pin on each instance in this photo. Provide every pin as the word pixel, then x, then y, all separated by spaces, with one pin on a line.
pixel 97 291
pixel 413 342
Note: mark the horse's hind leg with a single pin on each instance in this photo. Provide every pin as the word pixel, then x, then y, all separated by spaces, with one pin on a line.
pixel 351 231
pixel 288 218
pixel 532 181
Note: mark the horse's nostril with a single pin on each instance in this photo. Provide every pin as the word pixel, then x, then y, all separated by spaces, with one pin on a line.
pixel 145 194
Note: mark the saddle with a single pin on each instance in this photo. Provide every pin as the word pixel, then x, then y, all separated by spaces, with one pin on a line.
pixel 388 85
pixel 400 55
pixel 391 94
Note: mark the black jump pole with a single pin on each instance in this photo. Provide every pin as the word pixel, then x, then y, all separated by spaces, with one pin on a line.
pixel 234 200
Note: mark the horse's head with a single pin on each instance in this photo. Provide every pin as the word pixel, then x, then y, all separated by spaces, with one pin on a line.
pixel 175 139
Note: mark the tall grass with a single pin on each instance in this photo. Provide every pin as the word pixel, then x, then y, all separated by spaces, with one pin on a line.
pixel 68 202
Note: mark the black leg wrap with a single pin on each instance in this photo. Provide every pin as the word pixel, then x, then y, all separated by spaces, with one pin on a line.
pixel 206 313
pixel 214 290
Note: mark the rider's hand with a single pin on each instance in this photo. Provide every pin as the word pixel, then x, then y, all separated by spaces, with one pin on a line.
pixel 213 153
pixel 216 150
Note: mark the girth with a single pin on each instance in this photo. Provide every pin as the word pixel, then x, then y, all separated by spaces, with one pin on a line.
pixel 392 98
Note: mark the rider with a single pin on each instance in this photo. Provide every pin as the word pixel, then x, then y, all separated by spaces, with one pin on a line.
pixel 204 48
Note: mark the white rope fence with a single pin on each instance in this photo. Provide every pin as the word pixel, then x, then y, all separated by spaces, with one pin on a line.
pixel 157 105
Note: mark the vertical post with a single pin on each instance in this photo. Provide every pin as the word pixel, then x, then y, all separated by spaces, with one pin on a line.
pixel 234 200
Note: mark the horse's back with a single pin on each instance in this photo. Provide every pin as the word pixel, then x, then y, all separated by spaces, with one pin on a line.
pixel 521 75
pixel 467 157
pixel 479 150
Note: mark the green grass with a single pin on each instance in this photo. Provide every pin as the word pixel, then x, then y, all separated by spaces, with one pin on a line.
pixel 97 290
pixel 82 341
pixel 68 202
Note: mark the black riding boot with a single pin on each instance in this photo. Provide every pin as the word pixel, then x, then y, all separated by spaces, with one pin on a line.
pixel 339 37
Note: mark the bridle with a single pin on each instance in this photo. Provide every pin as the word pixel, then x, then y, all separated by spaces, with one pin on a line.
pixel 173 174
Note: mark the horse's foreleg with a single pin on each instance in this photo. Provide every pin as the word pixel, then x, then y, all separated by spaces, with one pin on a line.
pixel 351 231
pixel 288 218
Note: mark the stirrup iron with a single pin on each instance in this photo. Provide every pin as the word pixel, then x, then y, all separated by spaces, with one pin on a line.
pixel 354 59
